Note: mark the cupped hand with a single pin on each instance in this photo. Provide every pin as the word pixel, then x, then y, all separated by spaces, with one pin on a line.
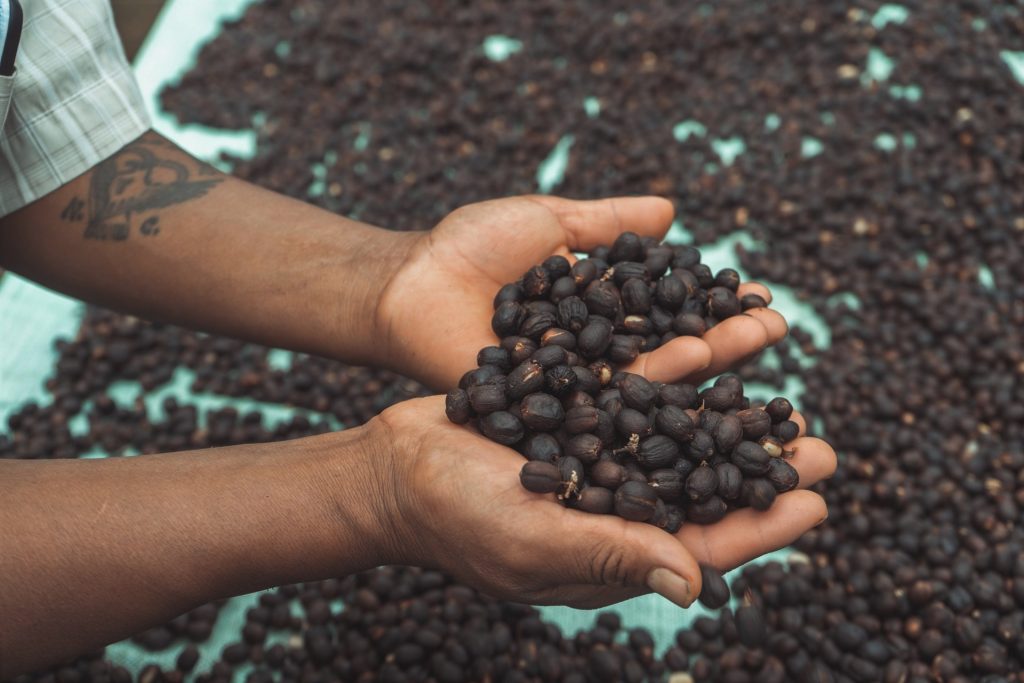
pixel 434 314
pixel 455 503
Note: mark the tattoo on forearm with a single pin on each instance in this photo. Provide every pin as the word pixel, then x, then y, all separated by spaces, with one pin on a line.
pixel 128 191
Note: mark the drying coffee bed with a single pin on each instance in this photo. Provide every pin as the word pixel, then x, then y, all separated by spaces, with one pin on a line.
pixel 872 153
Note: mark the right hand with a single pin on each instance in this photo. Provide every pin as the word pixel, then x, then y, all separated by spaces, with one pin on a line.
pixel 434 313
pixel 454 502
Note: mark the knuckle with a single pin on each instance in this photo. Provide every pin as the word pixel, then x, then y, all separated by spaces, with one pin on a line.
pixel 608 565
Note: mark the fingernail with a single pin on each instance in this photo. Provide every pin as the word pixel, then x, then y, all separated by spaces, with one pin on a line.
pixel 670 585
pixel 822 520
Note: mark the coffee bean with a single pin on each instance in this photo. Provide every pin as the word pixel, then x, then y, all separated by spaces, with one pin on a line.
pixel 787 430
pixel 750 625
pixel 541 412
pixel 700 447
pixel 636 297
pixel 727 278
pixel 772 445
pixel 581 419
pixel 623 349
pixel 680 395
pixel 779 409
pixel 572 314
pixel 540 477
pixel 585 447
pixel 626 247
pixel 487 398
pixel 555 336
pixel 706 511
pixel 749 301
pixel 635 501
pixel 674 518
pixel 187 658
pixel 597 500
pixel 702 483
pixel 670 293
pixel 758 493
pixel 730 478
pixel 607 474
pixel 586 380
pixel 502 427
pixel 561 380
pixel 572 470
pixel 536 281
pixel 594 339
pixel 519 349
pixel 673 422
pixel 511 292
pixel 543 447
pixel 561 288
pixel 494 355
pixel 507 319
pixel 756 423
pixel 782 475
pixel 717 398
pixel 631 422
pixel 584 272
pixel 751 458
pixel 637 392
pixel 549 356
pixel 536 324
pixel 602 299
pixel 722 303
pixel 457 406
pixel 667 483
pixel 714 592
pixel 524 379
pixel 624 271
pixel 728 433
pixel 656 452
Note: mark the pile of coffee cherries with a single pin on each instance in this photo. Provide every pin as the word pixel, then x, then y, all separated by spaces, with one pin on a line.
pixel 609 441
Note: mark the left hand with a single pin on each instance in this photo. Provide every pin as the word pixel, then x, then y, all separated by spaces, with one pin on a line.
pixel 435 312
pixel 449 498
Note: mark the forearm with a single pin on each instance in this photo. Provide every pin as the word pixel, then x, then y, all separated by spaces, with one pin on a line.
pixel 93 551
pixel 153 232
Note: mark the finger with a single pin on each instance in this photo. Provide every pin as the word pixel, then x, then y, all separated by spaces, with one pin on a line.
pixel 595 599
pixel 813 458
pixel 731 340
pixel 609 552
pixel 590 223
pixel 569 256
pixel 680 358
pixel 745 534
pixel 773 322
pixel 754 288
pixel 585 595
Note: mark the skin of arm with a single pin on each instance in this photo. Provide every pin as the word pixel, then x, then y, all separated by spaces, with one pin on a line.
pixel 156 535
pixel 153 232
pixel 92 551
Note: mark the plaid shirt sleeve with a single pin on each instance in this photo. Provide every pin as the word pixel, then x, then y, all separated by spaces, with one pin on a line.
pixel 73 100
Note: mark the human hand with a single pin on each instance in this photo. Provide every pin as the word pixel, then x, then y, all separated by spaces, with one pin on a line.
pixel 435 312
pixel 454 502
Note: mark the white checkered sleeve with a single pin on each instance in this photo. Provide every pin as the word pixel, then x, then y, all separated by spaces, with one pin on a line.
pixel 73 100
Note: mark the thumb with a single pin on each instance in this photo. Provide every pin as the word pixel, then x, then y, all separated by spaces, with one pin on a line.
pixel 588 223
pixel 615 552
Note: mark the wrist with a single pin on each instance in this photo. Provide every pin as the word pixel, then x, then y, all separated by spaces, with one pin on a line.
pixel 370 260
pixel 352 483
